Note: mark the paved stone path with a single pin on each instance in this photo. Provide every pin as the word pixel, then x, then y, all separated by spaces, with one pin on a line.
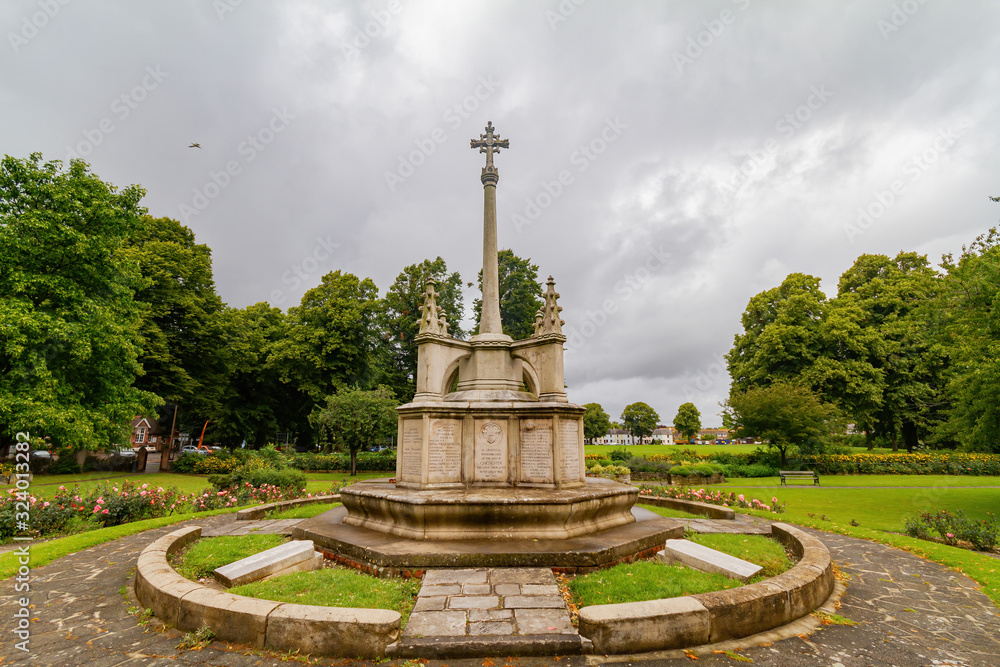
pixel 509 610
pixel 912 613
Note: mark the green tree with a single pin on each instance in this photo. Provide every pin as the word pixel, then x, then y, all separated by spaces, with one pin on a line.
pixel 794 333
pixel 688 421
pixel 596 421
pixel 399 321
pixel 69 323
pixel 969 307
pixel 892 294
pixel 639 419
pixel 355 419
pixel 784 414
pixel 185 356
pixel 330 337
pixel 256 404
pixel 520 295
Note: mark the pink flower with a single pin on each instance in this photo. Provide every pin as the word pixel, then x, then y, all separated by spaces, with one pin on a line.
pixel 142 493
pixel 742 499
pixel 104 511
pixel 46 504
pixel 774 499
pixel 145 485
pixel 949 535
pixel 62 488
pixel 97 509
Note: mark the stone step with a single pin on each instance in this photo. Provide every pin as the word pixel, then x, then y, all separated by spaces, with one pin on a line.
pixel 294 556
pixel 476 647
pixel 703 558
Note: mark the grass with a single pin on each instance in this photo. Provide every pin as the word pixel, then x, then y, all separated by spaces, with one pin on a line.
pixel 929 481
pixel 884 508
pixel 43 553
pixel 753 548
pixel 46 486
pixel 304 511
pixel 670 512
pixel 202 557
pixel 337 587
pixel 652 580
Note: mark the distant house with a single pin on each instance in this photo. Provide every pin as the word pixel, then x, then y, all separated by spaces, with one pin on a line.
pixel 146 431
pixel 618 436
pixel 714 434
pixel 664 435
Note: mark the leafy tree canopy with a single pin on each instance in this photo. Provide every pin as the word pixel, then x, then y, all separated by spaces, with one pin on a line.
pixel 687 421
pixel 520 295
pixel 355 419
pixel 596 421
pixel 400 320
pixel 784 414
pixel 639 419
pixel 69 324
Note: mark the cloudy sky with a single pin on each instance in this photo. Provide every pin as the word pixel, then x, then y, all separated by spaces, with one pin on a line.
pixel 668 160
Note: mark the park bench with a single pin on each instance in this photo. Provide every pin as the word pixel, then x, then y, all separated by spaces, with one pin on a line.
pixel 807 475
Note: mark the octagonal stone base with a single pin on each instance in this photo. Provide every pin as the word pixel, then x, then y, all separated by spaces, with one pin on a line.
pixel 488 513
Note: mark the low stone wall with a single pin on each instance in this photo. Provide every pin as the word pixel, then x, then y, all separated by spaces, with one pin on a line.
pixel 260 511
pixel 678 480
pixel 683 622
pixel 694 507
pixel 333 631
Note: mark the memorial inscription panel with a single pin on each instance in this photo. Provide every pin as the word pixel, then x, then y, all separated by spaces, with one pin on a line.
pixel 410 470
pixel 569 441
pixel 536 450
pixel 491 451
pixel 444 460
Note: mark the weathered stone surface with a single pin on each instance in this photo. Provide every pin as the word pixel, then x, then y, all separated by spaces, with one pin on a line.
pixel 533 602
pixel 436 624
pixel 430 604
pixel 232 617
pixel 740 612
pixel 441 589
pixel 646 626
pixel 265 563
pixel 540 589
pixel 444 577
pixel 474 602
pixel 491 628
pixel 706 559
pixel 477 589
pixel 490 614
pixel 332 631
pixel 160 588
pixel 706 509
pixel 543 622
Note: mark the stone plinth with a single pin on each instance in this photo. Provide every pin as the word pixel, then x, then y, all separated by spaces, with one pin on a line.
pixel 488 513
pixel 456 444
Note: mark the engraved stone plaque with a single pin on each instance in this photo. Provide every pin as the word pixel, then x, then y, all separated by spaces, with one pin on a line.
pixel 410 446
pixel 536 450
pixel 444 462
pixel 491 451
pixel 569 440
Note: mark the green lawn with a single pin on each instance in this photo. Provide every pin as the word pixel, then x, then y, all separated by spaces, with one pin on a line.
pixel 46 486
pixel 927 481
pixel 304 511
pixel 878 508
pixel 202 557
pixel 670 512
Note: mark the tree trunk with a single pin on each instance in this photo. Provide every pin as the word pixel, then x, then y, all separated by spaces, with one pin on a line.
pixel 910 435
pixel 869 440
pixel 354 461
pixel 895 442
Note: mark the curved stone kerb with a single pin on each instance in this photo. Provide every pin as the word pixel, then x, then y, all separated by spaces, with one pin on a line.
pixel 333 631
pixel 684 622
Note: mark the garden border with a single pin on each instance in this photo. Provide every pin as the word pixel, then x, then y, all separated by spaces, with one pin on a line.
pixel 280 626
pixel 260 511
pixel 690 621
pixel 692 506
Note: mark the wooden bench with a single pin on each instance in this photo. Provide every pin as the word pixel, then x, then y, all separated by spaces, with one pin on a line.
pixel 806 475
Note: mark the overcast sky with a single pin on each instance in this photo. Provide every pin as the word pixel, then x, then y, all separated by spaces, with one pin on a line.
pixel 667 161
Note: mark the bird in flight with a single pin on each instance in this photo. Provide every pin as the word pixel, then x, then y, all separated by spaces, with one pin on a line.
pixel 195 146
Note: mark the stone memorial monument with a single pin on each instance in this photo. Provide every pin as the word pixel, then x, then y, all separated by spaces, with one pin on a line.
pixel 489 449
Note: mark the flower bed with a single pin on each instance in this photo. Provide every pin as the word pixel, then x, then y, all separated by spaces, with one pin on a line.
pixel 953 527
pixel 711 497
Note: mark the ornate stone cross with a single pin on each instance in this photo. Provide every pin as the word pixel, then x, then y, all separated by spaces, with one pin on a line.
pixel 489 143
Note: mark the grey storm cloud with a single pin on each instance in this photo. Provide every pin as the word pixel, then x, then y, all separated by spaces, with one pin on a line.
pixel 667 160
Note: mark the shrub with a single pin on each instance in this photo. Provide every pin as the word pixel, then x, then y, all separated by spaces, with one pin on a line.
pixel 620 454
pixel 955 526
pixel 65 463
pixel 185 463
pixel 750 470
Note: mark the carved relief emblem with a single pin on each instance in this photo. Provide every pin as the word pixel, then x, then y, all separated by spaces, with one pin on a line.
pixel 491 432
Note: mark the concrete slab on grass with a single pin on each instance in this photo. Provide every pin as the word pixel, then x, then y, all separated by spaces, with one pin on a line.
pixel 705 559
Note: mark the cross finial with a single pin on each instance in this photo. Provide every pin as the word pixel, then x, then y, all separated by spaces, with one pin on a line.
pixel 489 143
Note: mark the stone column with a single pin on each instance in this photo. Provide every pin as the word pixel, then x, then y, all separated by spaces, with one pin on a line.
pixel 489 320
